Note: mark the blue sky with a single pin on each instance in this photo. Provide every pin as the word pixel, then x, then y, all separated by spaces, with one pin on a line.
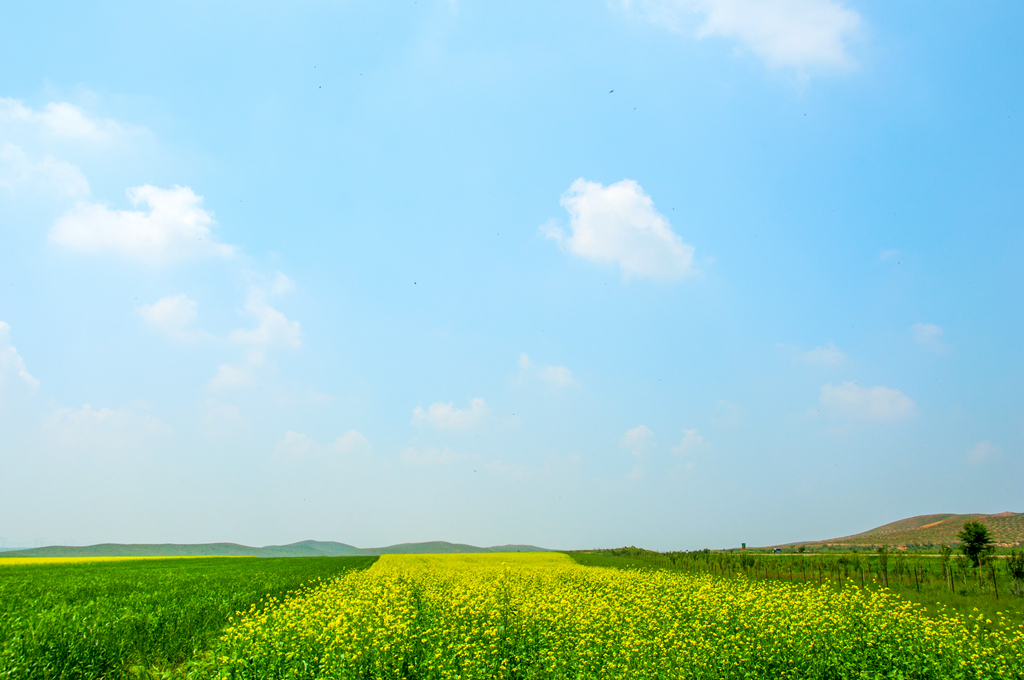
pixel 671 273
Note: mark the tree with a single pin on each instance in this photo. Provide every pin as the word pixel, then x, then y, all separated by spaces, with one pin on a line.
pixel 1015 565
pixel 975 541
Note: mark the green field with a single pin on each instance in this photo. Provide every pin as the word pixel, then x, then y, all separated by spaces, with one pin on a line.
pixel 121 619
pixel 616 614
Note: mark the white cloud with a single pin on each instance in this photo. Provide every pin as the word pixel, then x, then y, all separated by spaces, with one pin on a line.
pixel 274 327
pixel 826 355
pixel 172 315
pixel 60 120
pixel 982 451
pixel 19 173
pixel 618 224
pixel 229 377
pixel 444 416
pixel 802 34
pixel 867 403
pixel 11 362
pixel 297 444
pixel 558 376
pixel 829 355
pixel 351 443
pixel 221 420
pixel 512 471
pixel 429 455
pixel 690 444
pixel 727 414
pixel 929 335
pixel 887 255
pixel 175 227
pixel 104 430
pixel 638 441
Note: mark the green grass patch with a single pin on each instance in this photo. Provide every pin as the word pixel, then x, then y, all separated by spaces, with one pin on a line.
pixel 139 618
pixel 928 588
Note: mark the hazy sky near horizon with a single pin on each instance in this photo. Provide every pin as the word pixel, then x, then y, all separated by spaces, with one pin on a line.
pixel 669 273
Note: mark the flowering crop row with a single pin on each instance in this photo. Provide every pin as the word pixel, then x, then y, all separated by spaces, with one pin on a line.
pixel 542 616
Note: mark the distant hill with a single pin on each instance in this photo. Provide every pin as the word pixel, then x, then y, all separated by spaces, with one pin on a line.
pixel 1007 529
pixel 300 549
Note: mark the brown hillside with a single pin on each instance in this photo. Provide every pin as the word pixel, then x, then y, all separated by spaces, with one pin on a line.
pixel 1007 529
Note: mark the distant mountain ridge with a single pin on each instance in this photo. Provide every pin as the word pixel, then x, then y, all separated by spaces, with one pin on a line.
pixel 300 549
pixel 1006 528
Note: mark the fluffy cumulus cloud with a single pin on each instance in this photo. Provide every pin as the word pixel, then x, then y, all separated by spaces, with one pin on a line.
pixel 172 315
pixel 11 363
pixel 60 120
pixel 300 445
pixel 807 35
pixel 21 173
pixel 878 403
pixel 173 227
pixel 929 335
pixel 33 141
pixel 444 416
pixel 618 224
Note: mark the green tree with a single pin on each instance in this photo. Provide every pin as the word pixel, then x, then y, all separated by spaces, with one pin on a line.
pixel 1015 565
pixel 975 541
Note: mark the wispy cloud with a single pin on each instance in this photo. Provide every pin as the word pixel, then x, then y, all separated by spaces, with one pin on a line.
pixel 878 403
pixel 930 336
pixel 173 315
pixel 273 330
pixel 638 441
pixel 555 376
pixel 444 416
pixel 824 355
pixel 981 452
pixel 299 445
pixel 10 361
pixel 806 35
pixel 429 455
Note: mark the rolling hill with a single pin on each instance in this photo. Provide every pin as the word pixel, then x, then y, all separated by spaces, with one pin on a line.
pixel 1007 528
pixel 300 549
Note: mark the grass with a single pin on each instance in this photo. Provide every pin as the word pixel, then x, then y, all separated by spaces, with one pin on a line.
pixel 113 619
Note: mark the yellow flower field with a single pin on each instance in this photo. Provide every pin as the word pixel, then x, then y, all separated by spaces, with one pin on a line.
pixel 541 615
